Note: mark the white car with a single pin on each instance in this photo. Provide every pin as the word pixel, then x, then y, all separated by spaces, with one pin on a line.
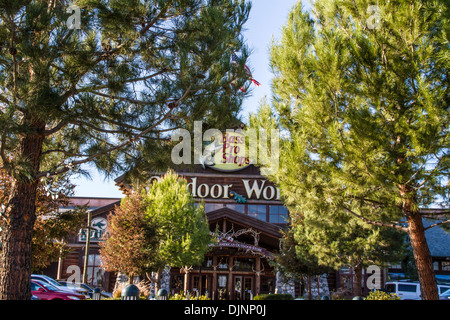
pixel 409 290
pixel 47 279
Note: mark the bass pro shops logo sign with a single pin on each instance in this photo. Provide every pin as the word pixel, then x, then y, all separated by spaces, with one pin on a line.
pixel 229 154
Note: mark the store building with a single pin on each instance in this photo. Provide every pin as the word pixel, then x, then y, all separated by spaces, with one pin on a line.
pixel 242 207
pixel 245 210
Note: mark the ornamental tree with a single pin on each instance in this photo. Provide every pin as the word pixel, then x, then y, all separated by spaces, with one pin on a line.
pixel 362 95
pixel 104 82
pixel 155 228
pixel 182 228
pixel 130 244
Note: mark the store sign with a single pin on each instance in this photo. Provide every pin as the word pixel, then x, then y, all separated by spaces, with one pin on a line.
pixel 254 188
pixel 97 230
pixel 227 151
pixel 229 241
pixel 229 154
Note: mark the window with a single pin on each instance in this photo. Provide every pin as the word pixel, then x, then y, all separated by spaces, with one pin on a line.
pixel 95 274
pixel 442 289
pixel 244 264
pixel 278 214
pixel 390 288
pixel 34 286
pixel 257 211
pixel 445 265
pixel 236 207
pixel 436 265
pixel 212 206
pixel 207 263
pixel 223 263
pixel 407 287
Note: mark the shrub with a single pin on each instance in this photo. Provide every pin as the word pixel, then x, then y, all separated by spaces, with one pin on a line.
pixel 273 297
pixel 381 295
pixel 181 296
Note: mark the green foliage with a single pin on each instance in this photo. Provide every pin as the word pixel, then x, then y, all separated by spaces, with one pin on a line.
pixel 365 117
pixel 131 240
pixel 273 297
pixel 155 228
pixel 381 295
pixel 183 230
pixel 134 70
pixel 181 296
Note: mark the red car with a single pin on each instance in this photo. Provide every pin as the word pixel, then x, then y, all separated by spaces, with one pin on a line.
pixel 46 291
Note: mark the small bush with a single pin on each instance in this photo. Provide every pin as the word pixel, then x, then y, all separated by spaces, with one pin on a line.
pixel 273 297
pixel 381 295
pixel 181 296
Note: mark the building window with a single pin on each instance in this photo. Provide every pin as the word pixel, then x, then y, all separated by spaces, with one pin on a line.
pixel 436 265
pixel 278 214
pixel 212 206
pixel 244 264
pixel 257 211
pixel 236 207
pixel 445 265
pixel 223 263
pixel 95 274
pixel 207 263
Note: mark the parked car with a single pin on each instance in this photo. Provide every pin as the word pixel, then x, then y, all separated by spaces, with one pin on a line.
pixel 47 291
pixel 445 295
pixel 59 286
pixel 77 285
pixel 409 290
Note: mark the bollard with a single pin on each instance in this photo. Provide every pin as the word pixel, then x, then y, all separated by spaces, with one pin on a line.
pixel 162 294
pixel 130 292
pixel 97 294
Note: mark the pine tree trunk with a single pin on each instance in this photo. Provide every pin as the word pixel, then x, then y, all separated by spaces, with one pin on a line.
pixel 422 257
pixel 357 287
pixel 309 288
pixel 20 215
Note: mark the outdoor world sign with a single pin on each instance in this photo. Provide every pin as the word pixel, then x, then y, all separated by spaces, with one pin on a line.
pixel 253 188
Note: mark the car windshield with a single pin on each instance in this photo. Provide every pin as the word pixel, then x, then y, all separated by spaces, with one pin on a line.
pixel 48 286
pixel 53 282
pixel 446 293
pixel 390 288
pixel 43 278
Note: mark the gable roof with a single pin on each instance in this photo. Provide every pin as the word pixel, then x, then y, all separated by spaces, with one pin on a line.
pixel 437 238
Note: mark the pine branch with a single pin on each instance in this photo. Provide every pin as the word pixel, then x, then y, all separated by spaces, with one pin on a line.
pixel 434 212
pixel 68 167
pixel 376 223
pixel 437 224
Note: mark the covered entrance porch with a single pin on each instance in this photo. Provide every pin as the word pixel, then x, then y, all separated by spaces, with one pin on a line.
pixel 237 266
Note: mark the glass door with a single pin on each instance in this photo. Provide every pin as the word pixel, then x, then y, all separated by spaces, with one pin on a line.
pixel 237 288
pixel 248 291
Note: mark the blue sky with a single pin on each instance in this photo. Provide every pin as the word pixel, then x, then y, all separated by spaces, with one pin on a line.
pixel 266 20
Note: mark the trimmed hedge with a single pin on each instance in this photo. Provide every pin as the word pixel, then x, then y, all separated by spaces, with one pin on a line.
pixel 273 297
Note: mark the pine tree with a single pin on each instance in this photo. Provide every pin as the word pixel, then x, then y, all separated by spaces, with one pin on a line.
pixel 104 82
pixel 52 228
pixel 361 93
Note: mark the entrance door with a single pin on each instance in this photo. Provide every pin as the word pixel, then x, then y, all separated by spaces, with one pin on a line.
pixel 248 291
pixel 243 287
pixel 237 288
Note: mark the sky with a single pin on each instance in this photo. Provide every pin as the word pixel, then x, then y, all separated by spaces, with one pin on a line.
pixel 265 23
